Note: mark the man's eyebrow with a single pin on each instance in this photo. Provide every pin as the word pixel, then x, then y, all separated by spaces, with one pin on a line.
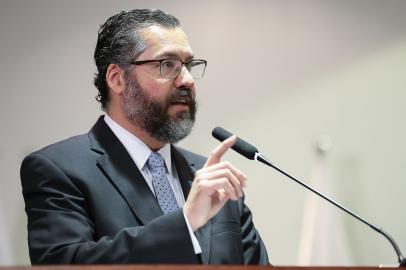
pixel 174 55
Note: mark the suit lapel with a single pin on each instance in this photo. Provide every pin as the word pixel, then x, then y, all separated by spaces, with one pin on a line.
pixel 121 171
pixel 186 171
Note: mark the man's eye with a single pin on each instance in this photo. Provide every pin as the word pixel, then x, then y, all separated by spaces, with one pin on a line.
pixel 168 64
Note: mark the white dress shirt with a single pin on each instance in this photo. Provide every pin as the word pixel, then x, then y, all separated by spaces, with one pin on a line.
pixel 140 153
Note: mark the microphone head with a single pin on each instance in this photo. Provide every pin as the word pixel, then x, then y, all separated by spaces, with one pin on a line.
pixel 242 147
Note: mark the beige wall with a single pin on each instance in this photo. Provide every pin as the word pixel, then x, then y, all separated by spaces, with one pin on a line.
pixel 280 73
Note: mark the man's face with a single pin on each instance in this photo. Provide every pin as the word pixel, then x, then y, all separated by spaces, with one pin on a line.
pixel 164 108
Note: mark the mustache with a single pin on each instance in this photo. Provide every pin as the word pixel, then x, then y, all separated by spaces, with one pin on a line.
pixel 183 94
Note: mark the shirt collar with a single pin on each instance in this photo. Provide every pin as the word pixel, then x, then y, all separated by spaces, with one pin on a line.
pixel 137 149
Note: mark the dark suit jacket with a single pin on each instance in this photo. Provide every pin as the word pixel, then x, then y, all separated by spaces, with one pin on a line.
pixel 87 202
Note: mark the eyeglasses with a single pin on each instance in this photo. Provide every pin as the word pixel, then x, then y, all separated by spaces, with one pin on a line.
pixel 170 68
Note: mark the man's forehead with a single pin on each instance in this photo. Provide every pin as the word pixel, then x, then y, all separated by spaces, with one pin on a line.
pixel 166 42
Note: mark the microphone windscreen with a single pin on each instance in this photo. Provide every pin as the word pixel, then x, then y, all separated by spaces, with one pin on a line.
pixel 242 147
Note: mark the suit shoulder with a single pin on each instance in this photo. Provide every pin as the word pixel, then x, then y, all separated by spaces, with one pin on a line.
pixel 70 144
pixel 68 149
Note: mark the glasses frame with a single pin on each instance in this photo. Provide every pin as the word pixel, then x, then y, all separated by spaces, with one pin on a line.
pixel 186 64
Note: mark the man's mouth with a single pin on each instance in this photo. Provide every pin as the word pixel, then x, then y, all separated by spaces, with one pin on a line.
pixel 182 98
pixel 180 102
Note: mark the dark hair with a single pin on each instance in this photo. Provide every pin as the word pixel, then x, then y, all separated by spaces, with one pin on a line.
pixel 119 42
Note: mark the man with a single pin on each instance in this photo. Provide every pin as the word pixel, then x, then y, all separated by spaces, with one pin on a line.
pixel 123 193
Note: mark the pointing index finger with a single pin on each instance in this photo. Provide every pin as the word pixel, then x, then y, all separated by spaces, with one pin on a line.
pixel 219 151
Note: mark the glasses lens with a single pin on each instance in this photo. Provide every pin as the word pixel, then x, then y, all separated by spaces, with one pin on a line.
pixel 170 68
pixel 196 68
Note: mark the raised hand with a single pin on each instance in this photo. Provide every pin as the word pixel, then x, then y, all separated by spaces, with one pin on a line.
pixel 214 184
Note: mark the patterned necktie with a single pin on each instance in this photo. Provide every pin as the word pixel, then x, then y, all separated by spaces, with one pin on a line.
pixel 163 191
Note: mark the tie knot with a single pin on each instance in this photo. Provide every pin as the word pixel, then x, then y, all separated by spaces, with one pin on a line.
pixel 155 161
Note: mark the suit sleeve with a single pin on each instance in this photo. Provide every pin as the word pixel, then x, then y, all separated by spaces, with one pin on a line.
pixel 254 251
pixel 61 231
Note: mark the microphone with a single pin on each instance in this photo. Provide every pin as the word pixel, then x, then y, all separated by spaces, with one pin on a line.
pixel 242 147
pixel 251 152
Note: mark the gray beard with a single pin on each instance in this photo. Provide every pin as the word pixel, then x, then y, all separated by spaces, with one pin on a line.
pixel 152 116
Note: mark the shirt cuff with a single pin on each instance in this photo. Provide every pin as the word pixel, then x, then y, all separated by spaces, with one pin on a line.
pixel 195 242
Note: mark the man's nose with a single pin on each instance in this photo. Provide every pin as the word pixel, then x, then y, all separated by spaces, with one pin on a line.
pixel 184 79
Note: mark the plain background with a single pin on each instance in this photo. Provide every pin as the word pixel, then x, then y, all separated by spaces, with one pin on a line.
pixel 280 73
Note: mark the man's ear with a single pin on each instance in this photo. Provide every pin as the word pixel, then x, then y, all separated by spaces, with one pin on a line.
pixel 115 79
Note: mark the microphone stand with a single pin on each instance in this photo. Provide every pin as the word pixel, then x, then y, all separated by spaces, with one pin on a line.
pixel 402 260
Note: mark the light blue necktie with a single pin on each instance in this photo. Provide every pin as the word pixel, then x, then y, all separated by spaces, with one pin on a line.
pixel 163 191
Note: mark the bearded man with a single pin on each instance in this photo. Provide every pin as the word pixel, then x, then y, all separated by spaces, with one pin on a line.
pixel 123 193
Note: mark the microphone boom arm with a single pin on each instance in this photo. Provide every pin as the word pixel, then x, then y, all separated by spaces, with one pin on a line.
pixel 402 260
